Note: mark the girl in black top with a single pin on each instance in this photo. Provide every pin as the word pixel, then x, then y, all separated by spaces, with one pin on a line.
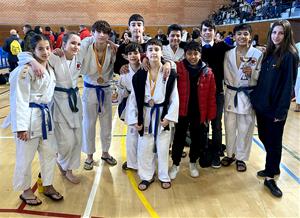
pixel 271 98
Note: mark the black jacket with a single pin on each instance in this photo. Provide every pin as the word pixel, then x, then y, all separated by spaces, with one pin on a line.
pixel 6 47
pixel 272 95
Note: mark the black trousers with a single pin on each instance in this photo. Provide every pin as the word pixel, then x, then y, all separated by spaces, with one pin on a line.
pixel 198 134
pixel 270 134
pixel 216 125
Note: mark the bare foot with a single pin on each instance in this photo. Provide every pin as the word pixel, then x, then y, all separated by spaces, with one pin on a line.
pixel 73 179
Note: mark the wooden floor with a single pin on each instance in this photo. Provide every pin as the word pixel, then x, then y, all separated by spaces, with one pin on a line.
pixel 110 192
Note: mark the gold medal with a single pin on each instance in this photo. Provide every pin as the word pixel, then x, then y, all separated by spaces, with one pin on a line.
pixel 151 102
pixel 100 80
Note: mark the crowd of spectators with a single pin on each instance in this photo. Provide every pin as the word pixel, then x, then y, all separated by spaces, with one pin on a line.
pixel 239 11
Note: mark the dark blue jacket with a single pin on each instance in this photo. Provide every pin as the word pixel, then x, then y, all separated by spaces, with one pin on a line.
pixel 6 47
pixel 272 95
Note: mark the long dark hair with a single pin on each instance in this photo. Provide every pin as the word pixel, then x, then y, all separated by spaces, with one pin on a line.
pixel 287 44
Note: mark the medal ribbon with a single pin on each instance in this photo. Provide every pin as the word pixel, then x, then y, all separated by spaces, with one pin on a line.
pixel 98 61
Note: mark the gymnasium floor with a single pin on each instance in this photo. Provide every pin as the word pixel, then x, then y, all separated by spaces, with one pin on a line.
pixel 110 192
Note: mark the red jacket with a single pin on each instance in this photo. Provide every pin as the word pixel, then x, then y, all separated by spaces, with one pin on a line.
pixel 206 92
pixel 84 33
pixel 59 40
pixel 51 38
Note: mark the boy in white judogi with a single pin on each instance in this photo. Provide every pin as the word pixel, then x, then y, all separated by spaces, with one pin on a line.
pixel 97 61
pixel 67 106
pixel 133 51
pixel 153 109
pixel 32 125
pixel 241 71
pixel 172 51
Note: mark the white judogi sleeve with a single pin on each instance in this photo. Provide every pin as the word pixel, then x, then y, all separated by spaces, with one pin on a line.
pixel 132 111
pixel 19 99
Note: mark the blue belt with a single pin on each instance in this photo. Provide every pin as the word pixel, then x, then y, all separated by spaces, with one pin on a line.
pixel 99 92
pixel 155 108
pixel 72 97
pixel 43 107
pixel 244 89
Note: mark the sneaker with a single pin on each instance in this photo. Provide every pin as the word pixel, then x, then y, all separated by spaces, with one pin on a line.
pixel 271 185
pixel 193 170
pixel 262 173
pixel 173 171
pixel 216 163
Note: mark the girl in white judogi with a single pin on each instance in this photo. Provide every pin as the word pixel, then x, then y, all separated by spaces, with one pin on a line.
pixel 241 71
pixel 31 123
pixel 133 51
pixel 67 106
pixel 97 61
pixel 145 107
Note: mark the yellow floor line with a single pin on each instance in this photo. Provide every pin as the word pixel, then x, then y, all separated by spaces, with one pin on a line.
pixel 131 178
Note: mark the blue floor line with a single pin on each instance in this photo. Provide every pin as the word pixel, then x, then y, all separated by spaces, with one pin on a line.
pixel 283 166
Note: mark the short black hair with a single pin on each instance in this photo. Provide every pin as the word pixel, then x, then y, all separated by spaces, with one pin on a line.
pixel 136 17
pixel 174 27
pixel 47 28
pixel 28 26
pixel 101 26
pixel 62 29
pixel 242 26
pixel 154 41
pixel 133 46
pixel 193 46
pixel 208 23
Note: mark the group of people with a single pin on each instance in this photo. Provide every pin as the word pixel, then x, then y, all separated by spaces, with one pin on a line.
pixel 164 91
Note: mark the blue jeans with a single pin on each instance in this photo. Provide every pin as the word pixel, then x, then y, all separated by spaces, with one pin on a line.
pixel 216 126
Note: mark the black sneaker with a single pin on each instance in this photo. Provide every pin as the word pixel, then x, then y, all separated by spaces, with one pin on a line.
pixel 262 173
pixel 216 163
pixel 271 185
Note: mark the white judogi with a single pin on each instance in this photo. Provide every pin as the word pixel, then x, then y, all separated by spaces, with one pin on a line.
pixel 90 102
pixel 26 88
pixel 239 119
pixel 146 157
pixel 68 124
pixel 169 54
pixel 124 90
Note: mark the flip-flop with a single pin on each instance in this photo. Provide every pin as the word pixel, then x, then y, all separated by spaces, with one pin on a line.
pixel 241 166
pixel 51 196
pixel 88 165
pixel 26 200
pixel 110 160
pixel 165 183
pixel 226 161
pixel 146 184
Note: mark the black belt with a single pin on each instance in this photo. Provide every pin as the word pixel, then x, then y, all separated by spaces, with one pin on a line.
pixel 244 89
pixel 72 97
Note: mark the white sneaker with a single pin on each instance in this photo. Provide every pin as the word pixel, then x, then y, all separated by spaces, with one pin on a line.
pixel 173 171
pixel 193 170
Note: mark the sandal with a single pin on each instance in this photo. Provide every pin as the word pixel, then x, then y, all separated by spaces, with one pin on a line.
pixel 88 165
pixel 241 166
pixel 226 161
pixel 144 184
pixel 165 185
pixel 55 196
pixel 110 160
pixel 31 201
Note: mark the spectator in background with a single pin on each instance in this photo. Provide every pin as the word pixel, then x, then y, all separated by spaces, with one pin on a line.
pixel 83 32
pixel 29 33
pixel 196 35
pixel 13 47
pixel 229 39
pixel 60 37
pixel 50 36
pixel 255 40
pixel 219 36
pixel 160 35
pixel 38 30
pixel 125 37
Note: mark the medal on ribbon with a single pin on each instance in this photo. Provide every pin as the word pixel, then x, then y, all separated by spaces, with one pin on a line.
pixel 100 63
